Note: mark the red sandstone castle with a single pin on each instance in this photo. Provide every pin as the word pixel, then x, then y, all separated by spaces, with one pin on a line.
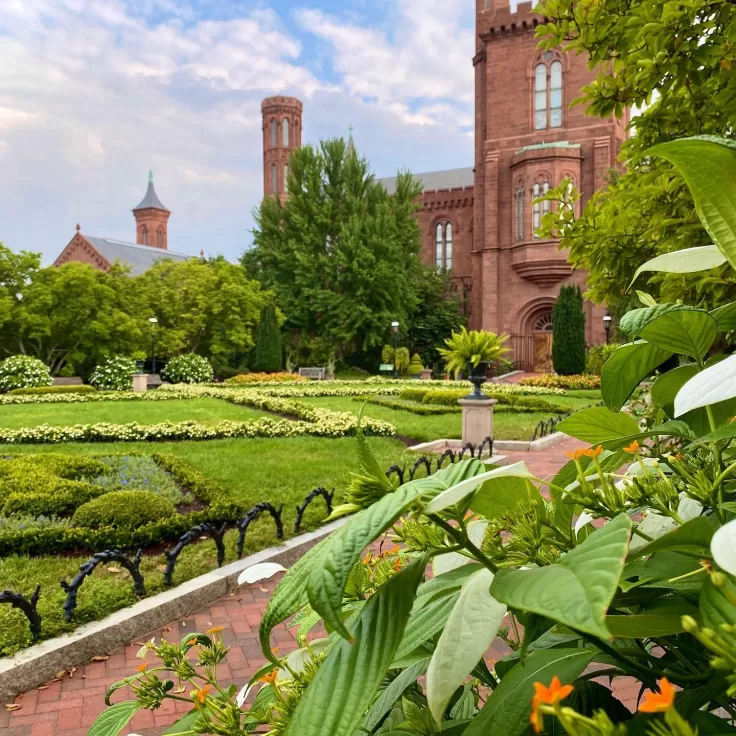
pixel 480 222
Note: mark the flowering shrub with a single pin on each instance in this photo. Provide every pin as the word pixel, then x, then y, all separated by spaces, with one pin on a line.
pixel 41 390
pixel 23 371
pixel 243 379
pixel 550 380
pixel 115 374
pixel 190 368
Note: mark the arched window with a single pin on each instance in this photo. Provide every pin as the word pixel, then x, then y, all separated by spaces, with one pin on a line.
pixel 540 97
pixel 160 238
pixel 443 245
pixel 548 92
pixel 286 177
pixel 539 208
pixel 519 212
pixel 274 134
pixel 144 233
pixel 544 323
pixel 545 192
pixel 274 179
pixel 285 132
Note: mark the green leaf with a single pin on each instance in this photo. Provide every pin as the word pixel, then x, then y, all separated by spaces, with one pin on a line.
pixel 445 583
pixel 609 461
pixel 348 680
pixel 578 589
pixel 425 622
pixel 290 595
pixel 114 719
pixel 711 386
pixel 633 322
pixel 502 496
pixel 725 317
pixel 458 492
pixel 689 332
pixel 597 424
pixel 507 710
pixel 655 622
pixel 392 693
pixel 589 696
pixel 693 537
pixel 368 463
pixel 715 608
pixel 707 164
pixel 668 385
pixel 626 369
pixel 468 634
pixel 646 299
pixel 183 724
pixel 689 260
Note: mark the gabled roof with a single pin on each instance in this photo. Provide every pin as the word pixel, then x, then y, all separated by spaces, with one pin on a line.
pixel 139 257
pixel 151 200
pixel 433 180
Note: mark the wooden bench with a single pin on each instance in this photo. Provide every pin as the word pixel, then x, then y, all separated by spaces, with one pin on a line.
pixel 315 374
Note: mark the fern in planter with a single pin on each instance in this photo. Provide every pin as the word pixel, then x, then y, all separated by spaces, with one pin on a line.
pixel 467 349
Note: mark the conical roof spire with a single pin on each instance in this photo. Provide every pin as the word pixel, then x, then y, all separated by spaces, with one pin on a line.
pixel 151 200
pixel 351 142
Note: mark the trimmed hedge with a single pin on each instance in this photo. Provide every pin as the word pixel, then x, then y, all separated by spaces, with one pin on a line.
pixel 514 402
pixel 410 406
pixel 41 390
pixel 66 497
pixel 56 538
pixel 550 380
pixel 123 510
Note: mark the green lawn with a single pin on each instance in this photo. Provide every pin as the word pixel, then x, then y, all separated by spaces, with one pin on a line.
pixel 507 425
pixel 206 411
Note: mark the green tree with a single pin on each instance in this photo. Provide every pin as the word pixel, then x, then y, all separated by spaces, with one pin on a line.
pixel 677 61
pixel 437 315
pixel 267 354
pixel 16 273
pixel 568 339
pixel 340 253
pixel 205 306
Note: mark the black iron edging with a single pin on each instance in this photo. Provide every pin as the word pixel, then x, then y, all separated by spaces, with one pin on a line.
pixel 328 497
pixel 27 605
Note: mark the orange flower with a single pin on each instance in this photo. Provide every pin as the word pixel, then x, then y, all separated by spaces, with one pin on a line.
pixel 397 566
pixel 141 667
pixel 201 695
pixel 577 454
pixel 661 701
pixel 549 696
pixel 633 448
pixel 275 650
pixel 394 550
pixel 367 559
pixel 270 678
pixel 215 630
pixel 594 451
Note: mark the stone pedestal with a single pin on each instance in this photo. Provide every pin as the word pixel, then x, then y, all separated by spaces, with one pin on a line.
pixel 426 374
pixel 477 420
pixel 140 382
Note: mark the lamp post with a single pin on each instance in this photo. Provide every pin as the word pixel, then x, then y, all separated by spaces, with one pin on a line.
pixel 607 327
pixel 395 330
pixel 153 322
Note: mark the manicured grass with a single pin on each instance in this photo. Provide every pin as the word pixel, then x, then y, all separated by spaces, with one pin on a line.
pixel 206 411
pixel 278 470
pixel 594 394
pixel 507 425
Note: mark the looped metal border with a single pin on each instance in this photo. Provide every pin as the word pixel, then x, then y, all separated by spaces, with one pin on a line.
pixel 252 515
pixel 28 606
pixel 310 497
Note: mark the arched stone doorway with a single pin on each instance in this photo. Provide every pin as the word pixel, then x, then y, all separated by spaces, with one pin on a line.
pixel 543 343
pixel 532 338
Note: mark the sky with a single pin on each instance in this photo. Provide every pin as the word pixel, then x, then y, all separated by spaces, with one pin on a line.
pixel 94 93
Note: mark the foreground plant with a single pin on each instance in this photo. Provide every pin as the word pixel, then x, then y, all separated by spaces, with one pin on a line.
pixel 595 574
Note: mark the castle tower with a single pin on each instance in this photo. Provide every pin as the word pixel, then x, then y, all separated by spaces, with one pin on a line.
pixel 528 140
pixel 152 219
pixel 282 133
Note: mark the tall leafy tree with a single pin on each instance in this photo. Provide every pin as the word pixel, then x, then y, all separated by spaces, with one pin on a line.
pixel 16 273
pixel 267 353
pixel 568 346
pixel 678 62
pixel 339 253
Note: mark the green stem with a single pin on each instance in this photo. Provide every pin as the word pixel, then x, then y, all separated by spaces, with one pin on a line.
pixel 465 542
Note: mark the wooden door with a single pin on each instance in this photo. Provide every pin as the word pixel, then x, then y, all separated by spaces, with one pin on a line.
pixel 542 352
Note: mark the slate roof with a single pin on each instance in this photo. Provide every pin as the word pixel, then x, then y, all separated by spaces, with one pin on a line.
pixel 432 180
pixel 151 200
pixel 139 257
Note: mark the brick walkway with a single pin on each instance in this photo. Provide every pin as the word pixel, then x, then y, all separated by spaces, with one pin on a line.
pixel 68 706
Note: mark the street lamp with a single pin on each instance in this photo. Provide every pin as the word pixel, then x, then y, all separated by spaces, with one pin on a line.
pixel 607 326
pixel 395 330
pixel 153 322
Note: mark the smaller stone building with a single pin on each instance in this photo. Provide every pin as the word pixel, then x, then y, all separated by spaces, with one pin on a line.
pixel 152 240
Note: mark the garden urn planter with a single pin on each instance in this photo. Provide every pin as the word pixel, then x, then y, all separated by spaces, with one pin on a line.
pixel 478 376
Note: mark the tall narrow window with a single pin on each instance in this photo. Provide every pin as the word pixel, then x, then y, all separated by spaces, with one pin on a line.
pixel 448 246
pixel 274 134
pixel 145 235
pixel 439 251
pixel 555 95
pixel 286 177
pixel 540 97
pixel 285 132
pixel 536 209
pixel 519 213
pixel 160 238
pixel 274 179
pixel 545 204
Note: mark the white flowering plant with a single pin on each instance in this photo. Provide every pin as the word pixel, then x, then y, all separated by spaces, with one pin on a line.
pixel 115 374
pixel 190 368
pixel 23 371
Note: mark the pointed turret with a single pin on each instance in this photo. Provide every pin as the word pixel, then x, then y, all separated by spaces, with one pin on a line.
pixel 152 219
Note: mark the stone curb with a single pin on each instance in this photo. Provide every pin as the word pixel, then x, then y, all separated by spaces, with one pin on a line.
pixel 38 664
pixel 543 443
